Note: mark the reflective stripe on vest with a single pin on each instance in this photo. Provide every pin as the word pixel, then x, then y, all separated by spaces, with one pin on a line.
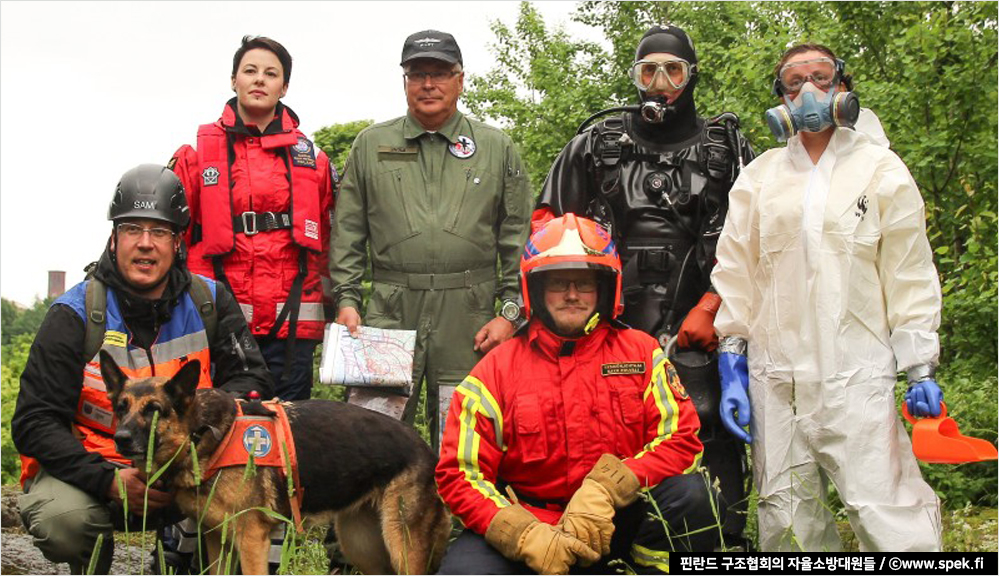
pixel 180 340
pixel 217 233
pixel 307 311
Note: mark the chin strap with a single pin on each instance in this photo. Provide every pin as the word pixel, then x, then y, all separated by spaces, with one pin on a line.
pixel 592 324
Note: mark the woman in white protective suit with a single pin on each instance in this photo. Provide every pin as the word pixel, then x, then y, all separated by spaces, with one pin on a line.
pixel 828 289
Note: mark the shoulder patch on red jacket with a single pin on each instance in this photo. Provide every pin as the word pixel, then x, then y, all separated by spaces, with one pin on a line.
pixel 673 379
pixel 303 154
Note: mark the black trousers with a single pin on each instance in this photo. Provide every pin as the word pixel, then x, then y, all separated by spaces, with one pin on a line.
pixel 687 523
pixel 298 386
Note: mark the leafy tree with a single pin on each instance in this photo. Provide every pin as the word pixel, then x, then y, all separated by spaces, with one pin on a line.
pixel 336 140
pixel 927 69
pixel 18 327
pixel 15 320
pixel 15 354
pixel 543 86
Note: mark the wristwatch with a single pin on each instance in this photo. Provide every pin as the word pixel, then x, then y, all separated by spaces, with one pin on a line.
pixel 510 311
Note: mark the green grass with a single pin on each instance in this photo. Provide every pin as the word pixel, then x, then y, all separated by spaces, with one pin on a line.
pixel 966 529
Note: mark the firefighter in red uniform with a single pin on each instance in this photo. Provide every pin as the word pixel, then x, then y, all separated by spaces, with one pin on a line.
pixel 554 435
pixel 261 196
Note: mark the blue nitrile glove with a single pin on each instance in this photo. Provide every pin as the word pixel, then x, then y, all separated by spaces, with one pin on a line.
pixel 734 373
pixel 923 398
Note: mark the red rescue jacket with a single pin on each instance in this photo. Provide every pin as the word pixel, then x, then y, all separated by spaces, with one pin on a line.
pixel 236 172
pixel 538 412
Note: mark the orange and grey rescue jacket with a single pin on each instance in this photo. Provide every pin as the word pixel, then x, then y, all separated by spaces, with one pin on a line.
pixel 180 340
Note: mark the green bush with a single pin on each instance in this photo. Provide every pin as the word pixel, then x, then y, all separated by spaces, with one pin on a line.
pixel 12 359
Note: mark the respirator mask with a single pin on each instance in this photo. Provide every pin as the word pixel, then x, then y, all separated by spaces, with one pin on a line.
pixel 817 103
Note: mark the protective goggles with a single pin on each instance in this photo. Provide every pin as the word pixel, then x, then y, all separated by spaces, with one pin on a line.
pixel 676 72
pixel 823 72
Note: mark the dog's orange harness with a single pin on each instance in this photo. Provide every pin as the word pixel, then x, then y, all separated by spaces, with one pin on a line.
pixel 269 440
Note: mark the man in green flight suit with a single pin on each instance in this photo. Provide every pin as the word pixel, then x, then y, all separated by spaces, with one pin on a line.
pixel 435 198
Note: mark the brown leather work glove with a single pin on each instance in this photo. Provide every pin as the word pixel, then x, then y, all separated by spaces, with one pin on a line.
pixel 590 514
pixel 698 328
pixel 521 537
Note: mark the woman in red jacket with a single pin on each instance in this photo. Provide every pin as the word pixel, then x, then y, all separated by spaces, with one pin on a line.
pixel 261 199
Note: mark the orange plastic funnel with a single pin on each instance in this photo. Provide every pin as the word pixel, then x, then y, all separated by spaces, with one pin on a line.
pixel 938 441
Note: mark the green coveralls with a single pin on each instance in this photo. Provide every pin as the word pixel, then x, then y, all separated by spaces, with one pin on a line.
pixel 434 219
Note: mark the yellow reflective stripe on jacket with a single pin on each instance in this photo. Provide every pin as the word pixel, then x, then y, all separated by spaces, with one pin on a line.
pixel 473 387
pixel 665 402
pixel 475 399
pixel 658 559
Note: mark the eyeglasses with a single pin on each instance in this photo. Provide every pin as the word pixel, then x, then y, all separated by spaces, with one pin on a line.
pixel 584 286
pixel 818 71
pixel 439 77
pixel 134 232
pixel 676 72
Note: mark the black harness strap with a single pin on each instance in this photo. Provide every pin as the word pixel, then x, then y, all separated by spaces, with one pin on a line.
pixel 294 300
pixel 290 313
pixel 610 155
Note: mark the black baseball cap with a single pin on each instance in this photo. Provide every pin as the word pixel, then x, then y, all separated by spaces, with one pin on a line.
pixel 431 44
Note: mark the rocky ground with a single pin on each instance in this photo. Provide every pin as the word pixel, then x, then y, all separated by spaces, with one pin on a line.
pixel 19 556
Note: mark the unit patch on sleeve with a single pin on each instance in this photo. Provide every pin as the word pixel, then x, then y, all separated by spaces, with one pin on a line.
pixel 303 154
pixel 673 379
pixel 622 368
pixel 210 176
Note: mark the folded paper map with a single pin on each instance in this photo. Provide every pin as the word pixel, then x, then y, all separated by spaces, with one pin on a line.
pixel 378 358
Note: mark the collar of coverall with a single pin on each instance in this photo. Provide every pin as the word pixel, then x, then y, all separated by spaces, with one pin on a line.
pixel 553 345
pixel 842 139
pixel 411 127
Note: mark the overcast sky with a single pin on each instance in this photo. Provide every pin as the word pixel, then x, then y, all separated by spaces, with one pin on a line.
pixel 89 90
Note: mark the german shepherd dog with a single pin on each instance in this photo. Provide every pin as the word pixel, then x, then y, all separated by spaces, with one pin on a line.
pixel 368 474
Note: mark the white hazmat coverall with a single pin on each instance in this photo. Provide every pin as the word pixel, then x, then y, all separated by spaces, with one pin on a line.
pixel 826 271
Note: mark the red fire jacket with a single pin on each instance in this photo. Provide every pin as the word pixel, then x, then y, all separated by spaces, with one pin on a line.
pixel 228 183
pixel 538 411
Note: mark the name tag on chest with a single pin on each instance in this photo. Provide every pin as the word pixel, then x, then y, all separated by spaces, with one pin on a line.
pixel 622 368
pixel 398 153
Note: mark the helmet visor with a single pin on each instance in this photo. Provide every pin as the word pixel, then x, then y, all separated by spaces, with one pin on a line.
pixel 818 71
pixel 675 73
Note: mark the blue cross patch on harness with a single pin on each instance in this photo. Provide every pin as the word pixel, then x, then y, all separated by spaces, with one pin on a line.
pixel 257 441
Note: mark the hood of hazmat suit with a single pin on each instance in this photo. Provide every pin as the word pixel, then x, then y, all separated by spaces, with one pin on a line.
pixel 826 271
pixel 869 124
